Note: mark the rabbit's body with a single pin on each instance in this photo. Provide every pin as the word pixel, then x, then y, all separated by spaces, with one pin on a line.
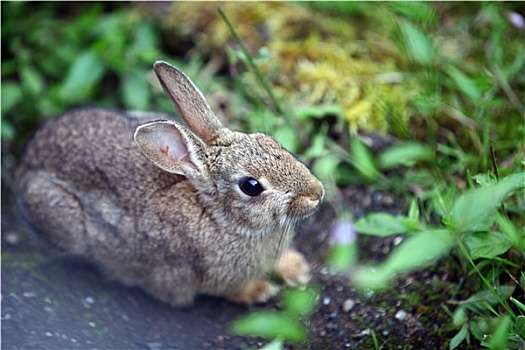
pixel 174 222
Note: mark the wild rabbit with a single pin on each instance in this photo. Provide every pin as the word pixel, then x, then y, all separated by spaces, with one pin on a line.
pixel 193 209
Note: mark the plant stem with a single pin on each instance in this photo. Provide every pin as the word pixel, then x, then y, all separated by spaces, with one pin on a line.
pixel 249 58
pixel 463 250
pixel 494 163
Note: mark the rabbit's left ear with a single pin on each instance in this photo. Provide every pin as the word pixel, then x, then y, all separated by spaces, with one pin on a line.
pixel 189 101
pixel 172 147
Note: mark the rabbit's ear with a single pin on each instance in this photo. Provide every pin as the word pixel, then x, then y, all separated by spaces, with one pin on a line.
pixel 172 147
pixel 189 101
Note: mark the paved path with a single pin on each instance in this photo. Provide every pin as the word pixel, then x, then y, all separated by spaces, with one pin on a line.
pixel 51 302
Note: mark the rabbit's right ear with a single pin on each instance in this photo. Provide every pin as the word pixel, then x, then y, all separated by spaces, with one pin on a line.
pixel 172 147
pixel 189 101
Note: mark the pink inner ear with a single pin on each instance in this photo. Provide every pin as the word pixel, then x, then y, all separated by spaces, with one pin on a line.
pixel 171 146
pixel 165 145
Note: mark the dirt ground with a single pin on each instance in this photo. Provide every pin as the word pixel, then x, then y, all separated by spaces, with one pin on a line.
pixel 57 302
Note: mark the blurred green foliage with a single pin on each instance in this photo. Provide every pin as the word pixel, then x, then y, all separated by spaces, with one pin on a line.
pixel 62 55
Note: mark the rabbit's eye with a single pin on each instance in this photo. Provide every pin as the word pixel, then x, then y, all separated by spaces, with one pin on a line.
pixel 250 186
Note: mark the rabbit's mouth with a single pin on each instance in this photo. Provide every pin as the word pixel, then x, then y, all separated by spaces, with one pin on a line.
pixel 304 209
pixel 305 205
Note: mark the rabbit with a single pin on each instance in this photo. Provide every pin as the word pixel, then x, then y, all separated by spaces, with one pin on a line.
pixel 178 210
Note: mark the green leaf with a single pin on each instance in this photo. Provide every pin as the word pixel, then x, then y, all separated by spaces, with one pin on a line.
pixel 299 302
pixel 499 339
pixel 83 75
pixel 420 177
pixel 343 256
pixel 506 227
pixel 32 81
pixel 136 92
pixel 325 167
pixel 317 146
pixel 519 326
pixel 458 338
pixel 418 250
pixel 318 112
pixel 414 10
pixel 363 160
pixel 413 253
pixel 269 325
pixel 381 224
pixel 460 317
pixel 7 130
pixel 475 302
pixel 518 304
pixel 487 244
pixel 145 37
pixel 516 67
pixel 464 83
pixel 474 210
pixel 405 154
pixel 413 211
pixel 11 95
pixel 484 179
pixel 288 137
pixel 370 277
pixel 418 44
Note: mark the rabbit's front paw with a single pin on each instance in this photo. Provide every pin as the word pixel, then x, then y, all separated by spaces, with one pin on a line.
pixel 293 268
pixel 257 291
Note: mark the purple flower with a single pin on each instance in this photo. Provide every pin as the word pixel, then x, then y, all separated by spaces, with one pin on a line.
pixel 516 19
pixel 342 233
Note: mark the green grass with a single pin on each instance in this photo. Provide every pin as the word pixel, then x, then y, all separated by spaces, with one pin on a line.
pixel 482 227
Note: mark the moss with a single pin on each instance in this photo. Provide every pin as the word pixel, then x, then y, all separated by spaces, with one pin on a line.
pixel 316 58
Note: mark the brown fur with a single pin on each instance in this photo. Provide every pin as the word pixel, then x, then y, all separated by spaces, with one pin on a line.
pixel 168 214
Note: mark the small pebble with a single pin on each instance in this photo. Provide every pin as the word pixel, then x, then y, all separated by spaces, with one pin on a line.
pixel 401 315
pixel 388 200
pixel 332 316
pixel 12 238
pixel 49 334
pixel 326 300
pixel 155 346
pixel 348 305
pixel 331 327
pixel 88 301
pixel 29 294
pixel 7 317
pixel 362 333
pixel 92 324
pixel 398 240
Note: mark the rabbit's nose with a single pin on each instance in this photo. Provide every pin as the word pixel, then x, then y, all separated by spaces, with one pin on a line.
pixel 316 192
